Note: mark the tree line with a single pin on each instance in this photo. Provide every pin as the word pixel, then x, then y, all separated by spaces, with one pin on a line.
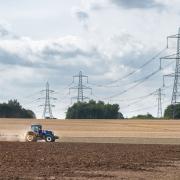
pixel 84 110
pixel 100 110
pixel 13 109
pixel 93 110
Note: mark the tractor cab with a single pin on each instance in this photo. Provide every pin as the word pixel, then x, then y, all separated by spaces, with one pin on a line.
pixel 36 128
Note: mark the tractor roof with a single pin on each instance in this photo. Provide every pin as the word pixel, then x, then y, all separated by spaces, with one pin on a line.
pixel 36 125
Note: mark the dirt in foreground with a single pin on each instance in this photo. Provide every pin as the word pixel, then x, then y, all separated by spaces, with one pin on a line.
pixel 88 161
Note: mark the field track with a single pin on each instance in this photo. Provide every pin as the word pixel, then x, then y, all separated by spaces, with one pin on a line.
pixel 114 131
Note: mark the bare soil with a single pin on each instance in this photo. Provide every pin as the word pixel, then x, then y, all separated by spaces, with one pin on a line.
pixel 20 160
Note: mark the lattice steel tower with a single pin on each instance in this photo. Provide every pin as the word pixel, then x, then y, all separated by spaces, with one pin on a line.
pixel 47 112
pixel 159 113
pixel 176 87
pixel 80 87
pixel 159 94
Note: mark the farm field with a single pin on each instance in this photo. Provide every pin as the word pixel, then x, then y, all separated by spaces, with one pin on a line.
pixel 114 131
pixel 89 149
pixel 79 161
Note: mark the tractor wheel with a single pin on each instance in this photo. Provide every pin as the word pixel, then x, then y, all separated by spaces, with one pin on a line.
pixel 30 138
pixel 49 139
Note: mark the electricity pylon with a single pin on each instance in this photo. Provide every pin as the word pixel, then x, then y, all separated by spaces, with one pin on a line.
pixel 176 87
pixel 47 112
pixel 80 87
pixel 159 94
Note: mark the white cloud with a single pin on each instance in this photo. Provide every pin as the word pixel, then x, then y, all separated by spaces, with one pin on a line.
pixel 113 42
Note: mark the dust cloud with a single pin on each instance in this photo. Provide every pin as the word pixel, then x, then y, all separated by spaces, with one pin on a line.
pixel 18 136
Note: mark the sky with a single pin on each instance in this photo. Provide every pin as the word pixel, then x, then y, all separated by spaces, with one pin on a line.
pixel 52 40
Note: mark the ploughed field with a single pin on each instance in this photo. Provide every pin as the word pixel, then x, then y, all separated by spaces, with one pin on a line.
pixel 19 160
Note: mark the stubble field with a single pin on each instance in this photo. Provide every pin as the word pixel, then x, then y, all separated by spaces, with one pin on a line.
pixel 114 131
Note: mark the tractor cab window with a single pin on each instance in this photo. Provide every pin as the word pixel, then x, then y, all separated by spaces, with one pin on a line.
pixel 36 128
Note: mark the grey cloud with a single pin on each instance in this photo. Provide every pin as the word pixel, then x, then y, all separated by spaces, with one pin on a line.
pixel 14 59
pixel 3 31
pixel 52 56
pixel 6 33
pixel 137 4
pixel 68 52
pixel 82 15
pixel 7 58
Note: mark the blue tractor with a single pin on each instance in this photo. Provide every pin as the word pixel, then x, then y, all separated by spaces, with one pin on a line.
pixel 36 133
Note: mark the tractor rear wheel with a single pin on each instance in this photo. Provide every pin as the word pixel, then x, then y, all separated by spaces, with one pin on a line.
pixel 30 137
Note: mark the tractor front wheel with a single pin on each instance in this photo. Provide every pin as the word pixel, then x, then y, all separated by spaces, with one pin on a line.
pixel 49 139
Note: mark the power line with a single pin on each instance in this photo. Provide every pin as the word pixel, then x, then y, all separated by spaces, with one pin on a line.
pixel 68 85
pixel 132 87
pixel 141 98
pixel 136 98
pixel 142 80
pixel 31 95
pixel 132 72
pixel 145 108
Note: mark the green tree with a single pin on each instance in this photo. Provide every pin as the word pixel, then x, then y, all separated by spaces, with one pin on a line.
pixel 13 109
pixel 146 116
pixel 172 109
pixel 93 110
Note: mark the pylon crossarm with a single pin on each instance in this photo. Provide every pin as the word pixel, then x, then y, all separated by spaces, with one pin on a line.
pixel 169 75
pixel 86 87
pixel 75 87
pixel 42 91
pixel 53 98
pixel 41 98
pixel 172 56
pixel 77 76
pixel 176 36
pixel 51 91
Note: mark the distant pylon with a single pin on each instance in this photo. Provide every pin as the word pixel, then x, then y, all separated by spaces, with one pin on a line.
pixel 159 93
pixel 80 87
pixel 47 112
pixel 176 87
